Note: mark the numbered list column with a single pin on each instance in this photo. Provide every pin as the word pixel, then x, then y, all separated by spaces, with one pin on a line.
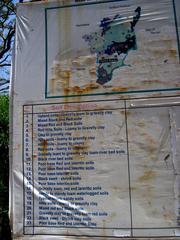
pixel 28 171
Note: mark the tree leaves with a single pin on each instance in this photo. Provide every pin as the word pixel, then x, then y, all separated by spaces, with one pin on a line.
pixel 4 167
pixel 7 31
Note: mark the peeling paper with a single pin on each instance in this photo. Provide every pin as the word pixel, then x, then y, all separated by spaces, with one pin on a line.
pixel 95 121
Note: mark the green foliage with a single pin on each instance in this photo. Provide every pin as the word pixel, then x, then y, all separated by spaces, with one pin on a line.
pixel 4 136
pixel 4 167
pixel 7 17
pixel 7 31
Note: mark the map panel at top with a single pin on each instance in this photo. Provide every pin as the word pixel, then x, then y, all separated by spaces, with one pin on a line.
pixel 124 47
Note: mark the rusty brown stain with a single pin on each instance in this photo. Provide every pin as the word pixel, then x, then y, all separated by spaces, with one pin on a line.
pixel 77 89
pixel 157 52
pixel 81 90
pixel 133 188
pixel 44 144
pixel 50 168
pixel 66 81
pixel 79 147
pixel 52 85
pixel 148 192
pixel 157 94
pixel 128 112
pixel 152 144
pixel 148 147
pixel 65 1
pixel 120 89
pixel 117 189
pixel 61 79
pixel 122 112
pixel 148 175
pixel 154 157
pixel 145 190
pixel 149 144
pixel 89 60
pixel 168 216
pixel 143 134
pixel 113 215
pixel 141 123
pixel 66 91
pixel 92 72
pixel 152 81
pixel 173 53
pixel 60 118
pixel 61 73
pixel 64 74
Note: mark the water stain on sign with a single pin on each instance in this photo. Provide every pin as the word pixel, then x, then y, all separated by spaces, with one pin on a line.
pixel 148 175
pixel 44 144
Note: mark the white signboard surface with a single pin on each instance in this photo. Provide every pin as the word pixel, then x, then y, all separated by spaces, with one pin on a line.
pixel 95 120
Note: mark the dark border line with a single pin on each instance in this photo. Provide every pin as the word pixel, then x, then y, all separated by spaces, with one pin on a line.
pixel 104 100
pixel 24 189
pixel 88 228
pixel 96 236
pixel 46 55
pixel 129 173
pixel 106 109
pixel 155 106
pixel 85 3
pixel 32 164
pixel 152 228
pixel 112 93
pixel 90 110
pixel 94 110
pixel 23 161
pixel 129 108
pixel 176 26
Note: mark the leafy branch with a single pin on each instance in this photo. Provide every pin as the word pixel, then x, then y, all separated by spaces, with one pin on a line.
pixel 7 29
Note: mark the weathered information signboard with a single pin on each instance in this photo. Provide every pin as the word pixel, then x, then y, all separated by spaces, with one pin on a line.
pixel 95 126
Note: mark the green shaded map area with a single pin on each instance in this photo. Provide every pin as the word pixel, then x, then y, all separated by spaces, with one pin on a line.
pixel 112 44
